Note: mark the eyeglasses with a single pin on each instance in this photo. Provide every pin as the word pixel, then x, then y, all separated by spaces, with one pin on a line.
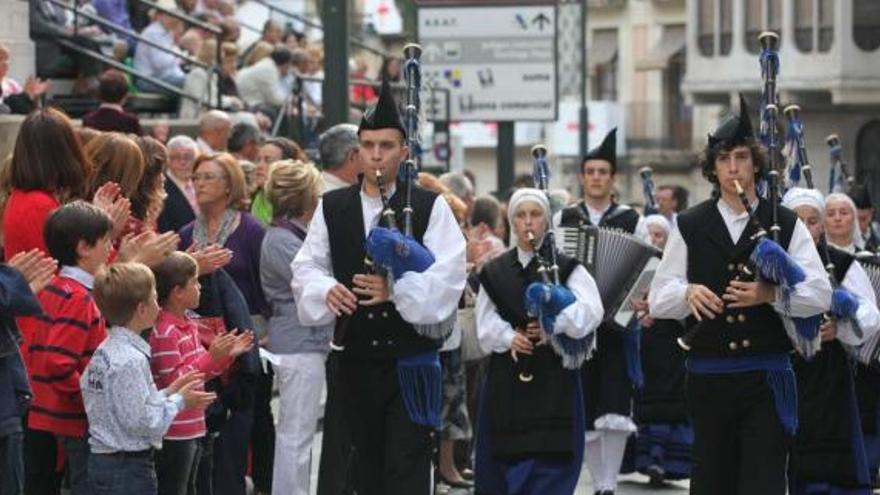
pixel 207 177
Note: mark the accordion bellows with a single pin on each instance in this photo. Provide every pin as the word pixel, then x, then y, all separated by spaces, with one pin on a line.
pixel 869 352
pixel 613 257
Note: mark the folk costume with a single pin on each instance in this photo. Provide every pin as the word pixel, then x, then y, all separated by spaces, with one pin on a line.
pixel 383 350
pixel 530 433
pixel 828 453
pixel 741 389
pixel 608 386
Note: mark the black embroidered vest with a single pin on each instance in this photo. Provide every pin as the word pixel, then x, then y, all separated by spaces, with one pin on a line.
pixel 714 260
pixel 534 418
pixel 617 217
pixel 375 332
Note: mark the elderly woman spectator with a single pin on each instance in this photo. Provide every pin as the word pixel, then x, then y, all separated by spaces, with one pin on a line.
pixel 271 151
pixel 293 190
pixel 180 194
pixel 220 194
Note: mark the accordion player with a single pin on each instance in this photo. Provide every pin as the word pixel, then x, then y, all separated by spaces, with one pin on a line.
pixel 608 388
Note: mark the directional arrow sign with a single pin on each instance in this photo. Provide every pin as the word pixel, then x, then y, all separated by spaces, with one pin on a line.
pixel 498 62
pixel 541 20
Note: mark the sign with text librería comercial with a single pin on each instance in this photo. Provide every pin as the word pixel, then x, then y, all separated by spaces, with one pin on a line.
pixel 498 62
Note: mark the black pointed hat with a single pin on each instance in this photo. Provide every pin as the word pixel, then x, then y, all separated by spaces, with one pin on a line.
pixel 734 129
pixel 384 115
pixel 606 151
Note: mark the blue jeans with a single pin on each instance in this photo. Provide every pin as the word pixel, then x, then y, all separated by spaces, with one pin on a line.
pixel 110 474
pixel 12 464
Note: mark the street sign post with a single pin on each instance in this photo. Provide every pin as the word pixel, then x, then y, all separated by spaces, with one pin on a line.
pixel 497 61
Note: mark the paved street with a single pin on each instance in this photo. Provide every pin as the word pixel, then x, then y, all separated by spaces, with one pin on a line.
pixel 630 485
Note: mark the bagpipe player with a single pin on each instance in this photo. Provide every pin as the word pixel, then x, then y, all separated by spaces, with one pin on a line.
pixel 740 385
pixel 389 368
pixel 530 431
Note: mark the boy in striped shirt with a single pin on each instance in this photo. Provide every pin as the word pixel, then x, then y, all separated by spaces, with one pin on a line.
pixel 63 339
pixel 176 350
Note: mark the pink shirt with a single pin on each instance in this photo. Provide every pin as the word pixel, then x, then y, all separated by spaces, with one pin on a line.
pixel 176 350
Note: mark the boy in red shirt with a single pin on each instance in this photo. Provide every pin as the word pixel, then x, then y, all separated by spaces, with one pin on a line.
pixel 63 340
pixel 176 351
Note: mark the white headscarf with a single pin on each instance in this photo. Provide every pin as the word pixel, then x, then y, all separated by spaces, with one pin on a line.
pixel 525 195
pixel 658 220
pixel 856 238
pixel 528 194
pixel 799 196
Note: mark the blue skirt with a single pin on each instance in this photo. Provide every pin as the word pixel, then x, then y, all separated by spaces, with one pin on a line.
pixel 534 476
pixel 667 446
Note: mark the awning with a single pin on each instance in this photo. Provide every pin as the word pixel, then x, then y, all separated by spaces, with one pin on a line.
pixel 603 48
pixel 670 44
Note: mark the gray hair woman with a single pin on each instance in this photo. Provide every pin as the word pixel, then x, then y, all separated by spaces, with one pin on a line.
pixel 292 188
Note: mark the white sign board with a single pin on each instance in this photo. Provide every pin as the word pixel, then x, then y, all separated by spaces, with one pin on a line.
pixel 499 63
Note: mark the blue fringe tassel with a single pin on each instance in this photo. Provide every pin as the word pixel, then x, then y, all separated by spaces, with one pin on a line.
pixel 807 327
pixel 784 386
pixel 421 387
pixel 777 267
pixel 572 351
pixel 844 304
pixel 632 352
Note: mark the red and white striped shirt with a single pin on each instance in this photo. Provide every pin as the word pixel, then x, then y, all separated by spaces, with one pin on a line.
pixel 175 351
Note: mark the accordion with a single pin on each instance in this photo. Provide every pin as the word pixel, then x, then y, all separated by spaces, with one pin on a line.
pixel 869 352
pixel 621 264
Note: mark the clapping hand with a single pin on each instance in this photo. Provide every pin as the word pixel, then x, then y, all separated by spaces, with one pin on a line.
pixel 37 268
pixel 148 247
pixel 210 258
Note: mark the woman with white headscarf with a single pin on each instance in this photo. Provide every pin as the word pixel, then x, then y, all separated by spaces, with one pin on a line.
pixel 665 436
pixel 658 230
pixel 530 434
pixel 842 224
pixel 828 454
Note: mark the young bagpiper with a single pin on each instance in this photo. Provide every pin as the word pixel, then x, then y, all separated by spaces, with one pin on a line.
pixel 740 385
pixel 383 346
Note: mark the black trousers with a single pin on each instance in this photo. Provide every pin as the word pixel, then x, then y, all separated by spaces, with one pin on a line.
pixel 40 458
pixel 393 453
pixel 336 470
pixel 740 446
